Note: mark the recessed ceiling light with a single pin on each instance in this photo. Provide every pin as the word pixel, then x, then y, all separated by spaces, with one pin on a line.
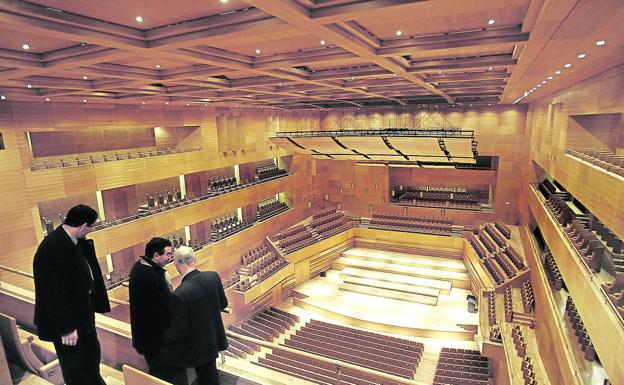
pixel 281 84
pixel 322 42
pixel 440 71
pixel 568 65
pixel 47 99
pixel 2 97
pixel 550 78
pixel 187 104
pixel 489 104
pixel 26 46
pixel 223 1
pixel 167 103
pixel 489 68
pixel 557 72
pixel 29 85
pixel 544 82
pixel 257 51
pixel 539 85
pixel 600 43
pixel 491 22
pixel 85 77
pixel 84 100
pixel 157 65
pixel 138 19
pixel 398 32
pixel 142 102
pixel 352 78
pixel 581 56
pixel 394 75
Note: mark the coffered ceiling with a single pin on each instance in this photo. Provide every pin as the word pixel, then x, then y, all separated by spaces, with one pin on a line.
pixel 302 53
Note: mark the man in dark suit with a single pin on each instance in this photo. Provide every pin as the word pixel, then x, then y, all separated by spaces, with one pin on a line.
pixel 197 334
pixel 69 288
pixel 150 296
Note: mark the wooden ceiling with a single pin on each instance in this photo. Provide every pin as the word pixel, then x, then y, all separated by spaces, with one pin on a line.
pixel 302 53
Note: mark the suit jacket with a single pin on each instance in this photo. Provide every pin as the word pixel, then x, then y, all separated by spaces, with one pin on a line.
pixel 62 284
pixel 150 315
pixel 197 333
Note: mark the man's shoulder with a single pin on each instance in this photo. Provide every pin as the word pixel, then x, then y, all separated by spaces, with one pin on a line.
pixel 140 270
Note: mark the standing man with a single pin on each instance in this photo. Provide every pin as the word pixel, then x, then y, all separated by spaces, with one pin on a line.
pixel 197 334
pixel 150 297
pixel 69 288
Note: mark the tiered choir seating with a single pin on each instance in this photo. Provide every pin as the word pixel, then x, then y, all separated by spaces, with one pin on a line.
pixel 226 226
pixel 507 298
pixel 519 341
pixel 528 373
pixel 547 188
pixel 587 244
pixel 257 265
pixel 486 240
pixel 443 197
pixel 495 334
pixel 410 223
pixel 462 367
pixel 499 238
pixel 514 257
pixel 331 224
pixel 552 271
pixel 376 351
pixel 486 259
pixel 271 208
pixel 579 330
pixel 600 158
pixel 491 303
pixel 269 171
pixel 528 300
pixel 614 244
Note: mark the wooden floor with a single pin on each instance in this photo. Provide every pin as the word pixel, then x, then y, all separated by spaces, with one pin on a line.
pixel 442 319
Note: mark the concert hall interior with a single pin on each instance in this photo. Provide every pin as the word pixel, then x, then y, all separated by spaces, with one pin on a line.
pixel 392 192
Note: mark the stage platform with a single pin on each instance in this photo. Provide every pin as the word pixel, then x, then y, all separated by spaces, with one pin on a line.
pixel 437 307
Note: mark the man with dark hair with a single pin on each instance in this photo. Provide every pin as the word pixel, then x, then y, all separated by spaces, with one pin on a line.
pixel 69 288
pixel 197 333
pixel 150 293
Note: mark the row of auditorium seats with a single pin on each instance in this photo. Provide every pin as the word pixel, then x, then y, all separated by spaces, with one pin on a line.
pixel 297 241
pixel 528 372
pixel 324 212
pixel 269 171
pixel 226 226
pixel 486 240
pixel 600 158
pixel 332 224
pixel 222 182
pixel 257 265
pixel 486 259
pixel 508 303
pixel 495 334
pixel 508 268
pixel 289 232
pixel 443 204
pixel 266 325
pixel 503 228
pixel 514 257
pixel 528 300
pixel 552 271
pixel 491 306
pixel 560 209
pixel 253 255
pixel 547 188
pixel 518 340
pixel 613 241
pixel 162 199
pixel 582 337
pixel 410 223
pixel 47 164
pixel 376 351
pixel 462 367
pixel 268 209
pixel 426 196
pixel 587 244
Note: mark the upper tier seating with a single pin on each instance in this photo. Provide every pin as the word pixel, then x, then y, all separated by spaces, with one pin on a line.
pixel 269 171
pixel 552 270
pixel 528 300
pixel 222 182
pixel 226 226
pixel 587 244
pixel 560 209
pixel 332 223
pixel 462 366
pixel 270 208
pixel 427 196
pixel 600 158
pixel 257 265
pixel 579 330
pixel 411 223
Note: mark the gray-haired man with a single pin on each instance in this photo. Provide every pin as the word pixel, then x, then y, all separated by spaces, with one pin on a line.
pixel 197 334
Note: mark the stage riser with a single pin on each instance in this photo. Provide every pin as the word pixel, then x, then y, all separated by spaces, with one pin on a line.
pixel 390 294
pixel 398 287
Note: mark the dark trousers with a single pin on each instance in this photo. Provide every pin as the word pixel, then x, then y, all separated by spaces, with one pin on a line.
pixel 207 373
pixel 160 369
pixel 81 363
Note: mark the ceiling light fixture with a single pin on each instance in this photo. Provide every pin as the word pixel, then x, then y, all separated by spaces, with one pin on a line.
pixel 489 68
pixel 142 102
pixel 29 85
pixel 581 56
pixel 539 85
pixel 26 46
pixel 398 32
pixel 84 100
pixel 544 81
pixel 550 78
pixel 322 42
pixel 47 99
pixel 85 77
pixel 138 19
pixel 157 65
pixel 600 43
pixel 557 72
pixel 167 103
pixel 491 22
pixel 568 65
pixel 224 1
pixel 257 51
pixel 2 97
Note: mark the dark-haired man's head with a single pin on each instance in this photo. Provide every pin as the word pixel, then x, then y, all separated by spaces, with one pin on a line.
pixel 159 250
pixel 81 218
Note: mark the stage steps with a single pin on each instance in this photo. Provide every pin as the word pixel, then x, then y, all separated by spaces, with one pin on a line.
pixel 403 287
pixel 443 287
pixel 388 293
pixel 458 279
pixel 429 262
